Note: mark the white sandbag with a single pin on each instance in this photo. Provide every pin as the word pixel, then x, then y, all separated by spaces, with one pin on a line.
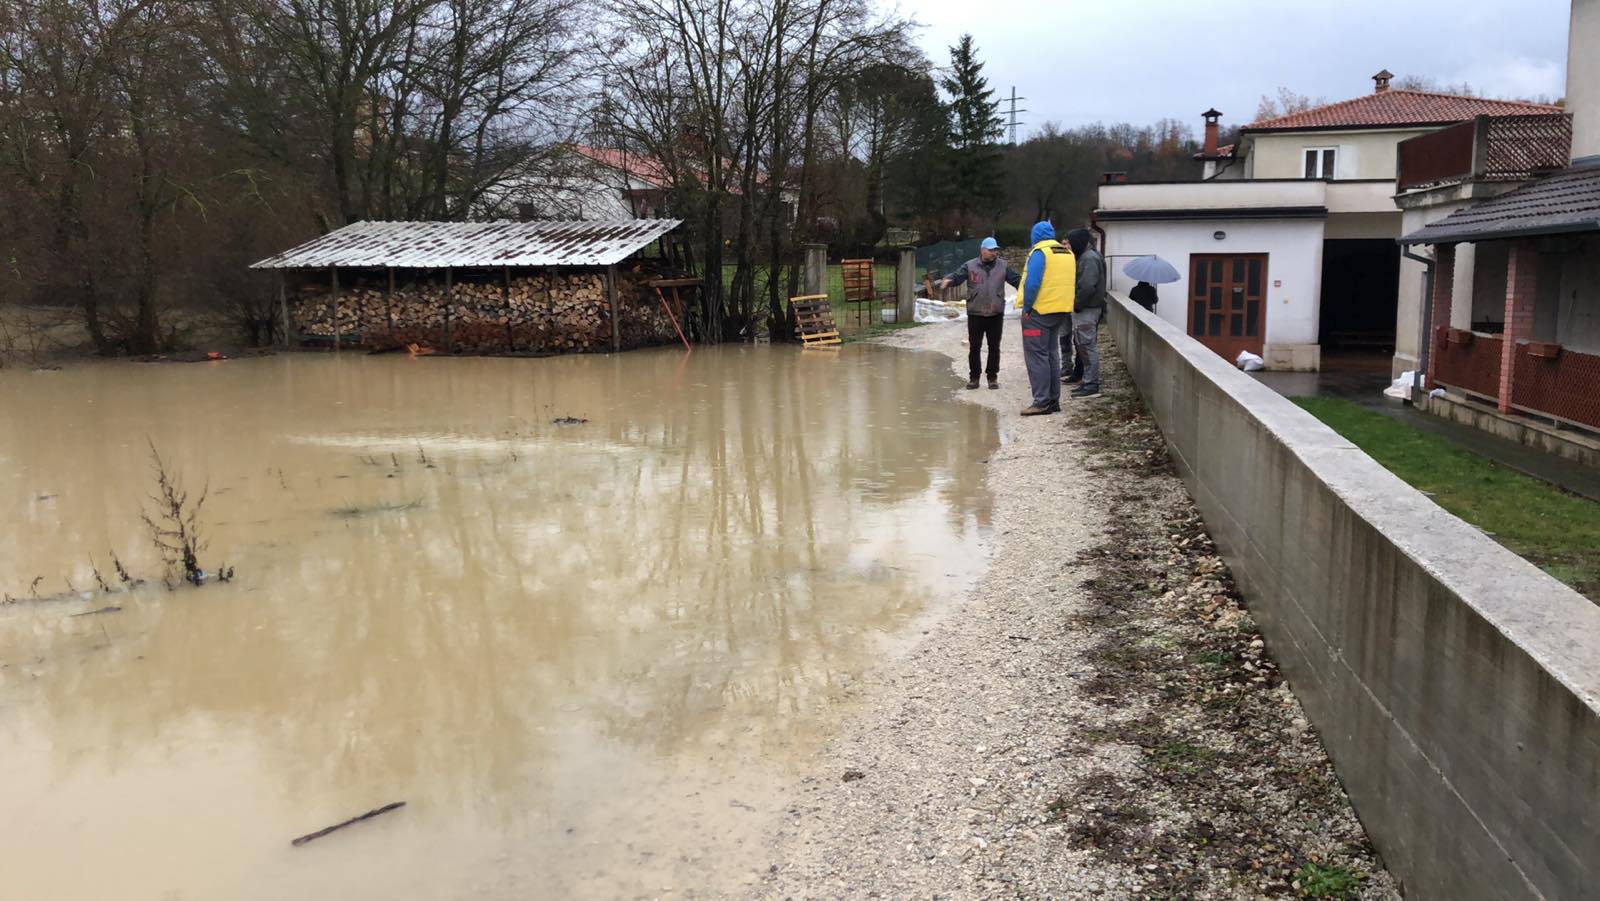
pixel 1249 362
pixel 1401 387
pixel 939 311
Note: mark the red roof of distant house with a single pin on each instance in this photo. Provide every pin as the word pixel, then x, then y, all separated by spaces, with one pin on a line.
pixel 1398 108
pixel 644 168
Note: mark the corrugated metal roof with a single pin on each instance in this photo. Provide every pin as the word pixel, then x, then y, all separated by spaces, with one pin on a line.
pixel 1563 203
pixel 435 245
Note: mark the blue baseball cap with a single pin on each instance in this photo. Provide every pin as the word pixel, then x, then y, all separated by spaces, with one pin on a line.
pixel 989 244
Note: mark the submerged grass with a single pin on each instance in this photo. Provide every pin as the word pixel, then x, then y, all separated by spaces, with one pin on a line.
pixel 1554 530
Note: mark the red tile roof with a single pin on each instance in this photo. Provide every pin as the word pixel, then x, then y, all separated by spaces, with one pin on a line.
pixel 1396 108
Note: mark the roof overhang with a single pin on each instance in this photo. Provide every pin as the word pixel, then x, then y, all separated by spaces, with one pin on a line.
pixel 1212 213
pixel 1472 236
pixel 1386 126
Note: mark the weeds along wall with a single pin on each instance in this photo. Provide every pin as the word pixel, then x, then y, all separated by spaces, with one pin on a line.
pixel 544 311
pixel 1456 686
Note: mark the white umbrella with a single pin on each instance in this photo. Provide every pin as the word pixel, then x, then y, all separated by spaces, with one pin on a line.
pixel 1152 269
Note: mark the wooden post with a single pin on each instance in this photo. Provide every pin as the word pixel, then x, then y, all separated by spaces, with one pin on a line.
pixel 388 304
pixel 905 279
pixel 283 310
pixel 333 303
pixel 449 301
pixel 816 269
pixel 611 299
pixel 505 298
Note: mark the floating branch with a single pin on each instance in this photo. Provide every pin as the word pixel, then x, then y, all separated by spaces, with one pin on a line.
pixel 311 837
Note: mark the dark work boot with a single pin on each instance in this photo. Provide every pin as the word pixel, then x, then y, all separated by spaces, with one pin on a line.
pixel 972 383
pixel 994 382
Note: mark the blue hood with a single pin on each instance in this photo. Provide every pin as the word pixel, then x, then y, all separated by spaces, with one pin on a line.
pixel 1042 231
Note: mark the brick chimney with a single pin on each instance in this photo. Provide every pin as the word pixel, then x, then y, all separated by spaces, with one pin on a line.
pixel 1211 131
pixel 1380 82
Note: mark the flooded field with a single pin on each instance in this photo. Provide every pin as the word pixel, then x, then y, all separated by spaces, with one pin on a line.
pixel 587 655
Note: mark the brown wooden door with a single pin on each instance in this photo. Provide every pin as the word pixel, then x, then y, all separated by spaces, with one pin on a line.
pixel 1228 302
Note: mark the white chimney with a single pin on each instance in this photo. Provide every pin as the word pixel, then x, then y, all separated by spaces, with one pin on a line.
pixel 1583 79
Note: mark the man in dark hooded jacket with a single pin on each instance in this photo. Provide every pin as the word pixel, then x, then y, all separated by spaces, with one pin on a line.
pixel 1087 311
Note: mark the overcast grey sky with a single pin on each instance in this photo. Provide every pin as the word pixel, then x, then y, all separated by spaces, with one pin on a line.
pixel 1142 60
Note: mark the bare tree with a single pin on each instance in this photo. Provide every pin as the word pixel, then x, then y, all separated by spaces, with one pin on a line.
pixel 1287 102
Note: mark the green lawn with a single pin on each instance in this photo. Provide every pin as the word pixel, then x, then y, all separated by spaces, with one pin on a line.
pixel 1556 531
pixel 861 320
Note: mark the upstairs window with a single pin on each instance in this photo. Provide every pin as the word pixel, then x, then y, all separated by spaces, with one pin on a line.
pixel 1319 162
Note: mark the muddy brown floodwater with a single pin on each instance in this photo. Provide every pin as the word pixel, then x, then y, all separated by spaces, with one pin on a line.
pixel 588 656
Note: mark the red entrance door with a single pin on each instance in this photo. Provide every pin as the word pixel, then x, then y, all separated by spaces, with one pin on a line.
pixel 1228 301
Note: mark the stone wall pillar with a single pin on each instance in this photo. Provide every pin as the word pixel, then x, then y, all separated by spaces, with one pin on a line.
pixel 816 270
pixel 1444 284
pixel 905 286
pixel 1522 279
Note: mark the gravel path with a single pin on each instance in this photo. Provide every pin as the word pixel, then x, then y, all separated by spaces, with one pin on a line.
pixel 1098 718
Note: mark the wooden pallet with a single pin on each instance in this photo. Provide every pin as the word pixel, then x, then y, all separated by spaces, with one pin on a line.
pixel 813 316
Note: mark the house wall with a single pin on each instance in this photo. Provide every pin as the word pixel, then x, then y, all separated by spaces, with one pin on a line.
pixel 1363 225
pixel 1419 209
pixel 1212 195
pixel 1362 154
pixel 1362 197
pixel 1488 293
pixel 1294 272
pixel 1413 287
pixel 1578 305
pixel 1456 686
pixel 1583 77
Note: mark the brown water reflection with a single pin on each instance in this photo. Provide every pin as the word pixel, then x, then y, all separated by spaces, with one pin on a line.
pixel 585 655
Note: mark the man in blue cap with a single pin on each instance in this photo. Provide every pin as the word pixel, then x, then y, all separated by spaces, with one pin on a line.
pixel 986 277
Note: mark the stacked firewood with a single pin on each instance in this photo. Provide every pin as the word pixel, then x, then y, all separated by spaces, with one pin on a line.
pixel 552 312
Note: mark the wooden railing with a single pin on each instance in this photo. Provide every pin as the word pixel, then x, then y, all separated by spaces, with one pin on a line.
pixel 1439 156
pixel 1489 148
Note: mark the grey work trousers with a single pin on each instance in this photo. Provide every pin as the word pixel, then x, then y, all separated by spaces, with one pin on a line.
pixel 1086 340
pixel 1041 352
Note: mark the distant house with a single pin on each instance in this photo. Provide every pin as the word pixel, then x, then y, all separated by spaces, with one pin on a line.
pixel 1287 247
pixel 1511 331
pixel 602 184
pixel 587 183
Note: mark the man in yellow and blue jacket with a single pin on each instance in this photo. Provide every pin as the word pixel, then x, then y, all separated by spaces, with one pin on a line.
pixel 1048 288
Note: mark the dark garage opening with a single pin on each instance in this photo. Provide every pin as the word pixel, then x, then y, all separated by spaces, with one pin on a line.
pixel 1360 285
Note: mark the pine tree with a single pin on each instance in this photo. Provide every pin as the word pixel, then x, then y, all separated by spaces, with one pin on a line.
pixel 975 129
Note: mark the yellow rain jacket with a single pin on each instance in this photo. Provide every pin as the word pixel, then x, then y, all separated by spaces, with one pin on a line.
pixel 1058 288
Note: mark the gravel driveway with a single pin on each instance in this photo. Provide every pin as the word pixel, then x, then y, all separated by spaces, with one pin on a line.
pixel 1098 718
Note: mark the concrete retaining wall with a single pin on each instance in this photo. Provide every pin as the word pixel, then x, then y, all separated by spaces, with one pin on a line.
pixel 1457 687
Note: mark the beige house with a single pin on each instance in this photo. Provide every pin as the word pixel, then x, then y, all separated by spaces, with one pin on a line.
pixel 1288 247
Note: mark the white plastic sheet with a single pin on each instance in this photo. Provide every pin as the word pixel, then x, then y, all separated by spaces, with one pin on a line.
pixel 1249 362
